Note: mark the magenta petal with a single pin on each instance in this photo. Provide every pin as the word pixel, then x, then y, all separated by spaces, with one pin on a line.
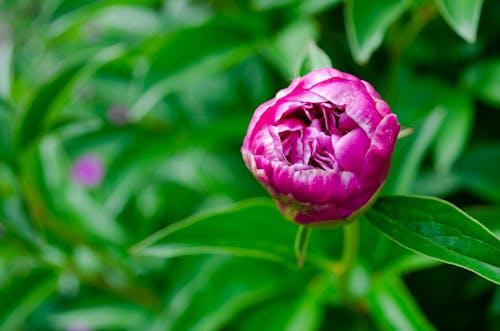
pixel 357 101
pixel 322 147
pixel 350 150
pixel 377 160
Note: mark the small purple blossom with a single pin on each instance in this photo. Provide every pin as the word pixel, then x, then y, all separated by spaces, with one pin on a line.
pixel 117 115
pixel 88 170
pixel 322 147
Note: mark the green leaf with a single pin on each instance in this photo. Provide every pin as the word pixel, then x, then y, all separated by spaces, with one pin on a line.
pixel 477 170
pixel 489 216
pixel 291 313
pixel 49 99
pixel 483 79
pixel 393 308
pixel 411 157
pixel 313 58
pixel 188 56
pixel 440 230
pixel 462 16
pixel 23 295
pixel 366 22
pixel 251 228
pixel 282 50
pixel 454 131
pixel 99 316
pixel 207 292
pixel 6 51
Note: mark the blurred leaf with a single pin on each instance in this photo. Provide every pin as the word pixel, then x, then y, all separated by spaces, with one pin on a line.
pixel 312 7
pixel 100 316
pixel 440 230
pixel 188 56
pixel 412 157
pixel 64 198
pixel 127 20
pixel 454 132
pixel 462 16
pixel 282 50
pixel 366 22
pixel 297 313
pixel 48 100
pixel 483 79
pixel 393 308
pixel 253 228
pixel 314 58
pixel 213 290
pixel 23 296
pixel 478 171
pixel 6 52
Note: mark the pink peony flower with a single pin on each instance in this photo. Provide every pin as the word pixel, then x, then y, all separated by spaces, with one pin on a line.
pixel 88 170
pixel 322 147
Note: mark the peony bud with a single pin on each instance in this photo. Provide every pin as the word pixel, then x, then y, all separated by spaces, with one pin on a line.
pixel 322 147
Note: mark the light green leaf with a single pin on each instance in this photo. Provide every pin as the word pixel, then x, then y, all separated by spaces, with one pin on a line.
pixel 462 16
pixel 454 132
pixel 483 79
pixel 393 308
pixel 282 50
pixel 6 51
pixel 313 58
pixel 412 157
pixel 252 228
pixel 366 22
pixel 440 230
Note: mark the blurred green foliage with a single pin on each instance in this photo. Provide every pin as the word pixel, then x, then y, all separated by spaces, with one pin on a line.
pixel 162 91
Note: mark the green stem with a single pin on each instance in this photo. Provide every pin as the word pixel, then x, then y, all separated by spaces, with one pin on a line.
pixel 301 241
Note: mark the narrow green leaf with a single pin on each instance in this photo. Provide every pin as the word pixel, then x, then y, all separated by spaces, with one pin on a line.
pixel 23 296
pixel 6 51
pixel 440 230
pixel 393 308
pixel 412 157
pixel 366 22
pixel 253 228
pixel 454 132
pixel 313 58
pixel 483 79
pixel 462 16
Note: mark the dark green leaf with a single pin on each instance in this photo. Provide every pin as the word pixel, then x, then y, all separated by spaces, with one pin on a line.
pixel 462 16
pixel 477 170
pixel 440 230
pixel 483 79
pixel 366 22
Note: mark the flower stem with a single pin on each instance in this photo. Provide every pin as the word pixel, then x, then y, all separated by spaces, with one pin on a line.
pixel 301 241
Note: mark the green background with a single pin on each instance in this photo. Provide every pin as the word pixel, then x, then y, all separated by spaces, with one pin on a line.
pixel 189 75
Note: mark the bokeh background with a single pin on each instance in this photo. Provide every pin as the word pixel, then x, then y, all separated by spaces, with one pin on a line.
pixel 119 118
